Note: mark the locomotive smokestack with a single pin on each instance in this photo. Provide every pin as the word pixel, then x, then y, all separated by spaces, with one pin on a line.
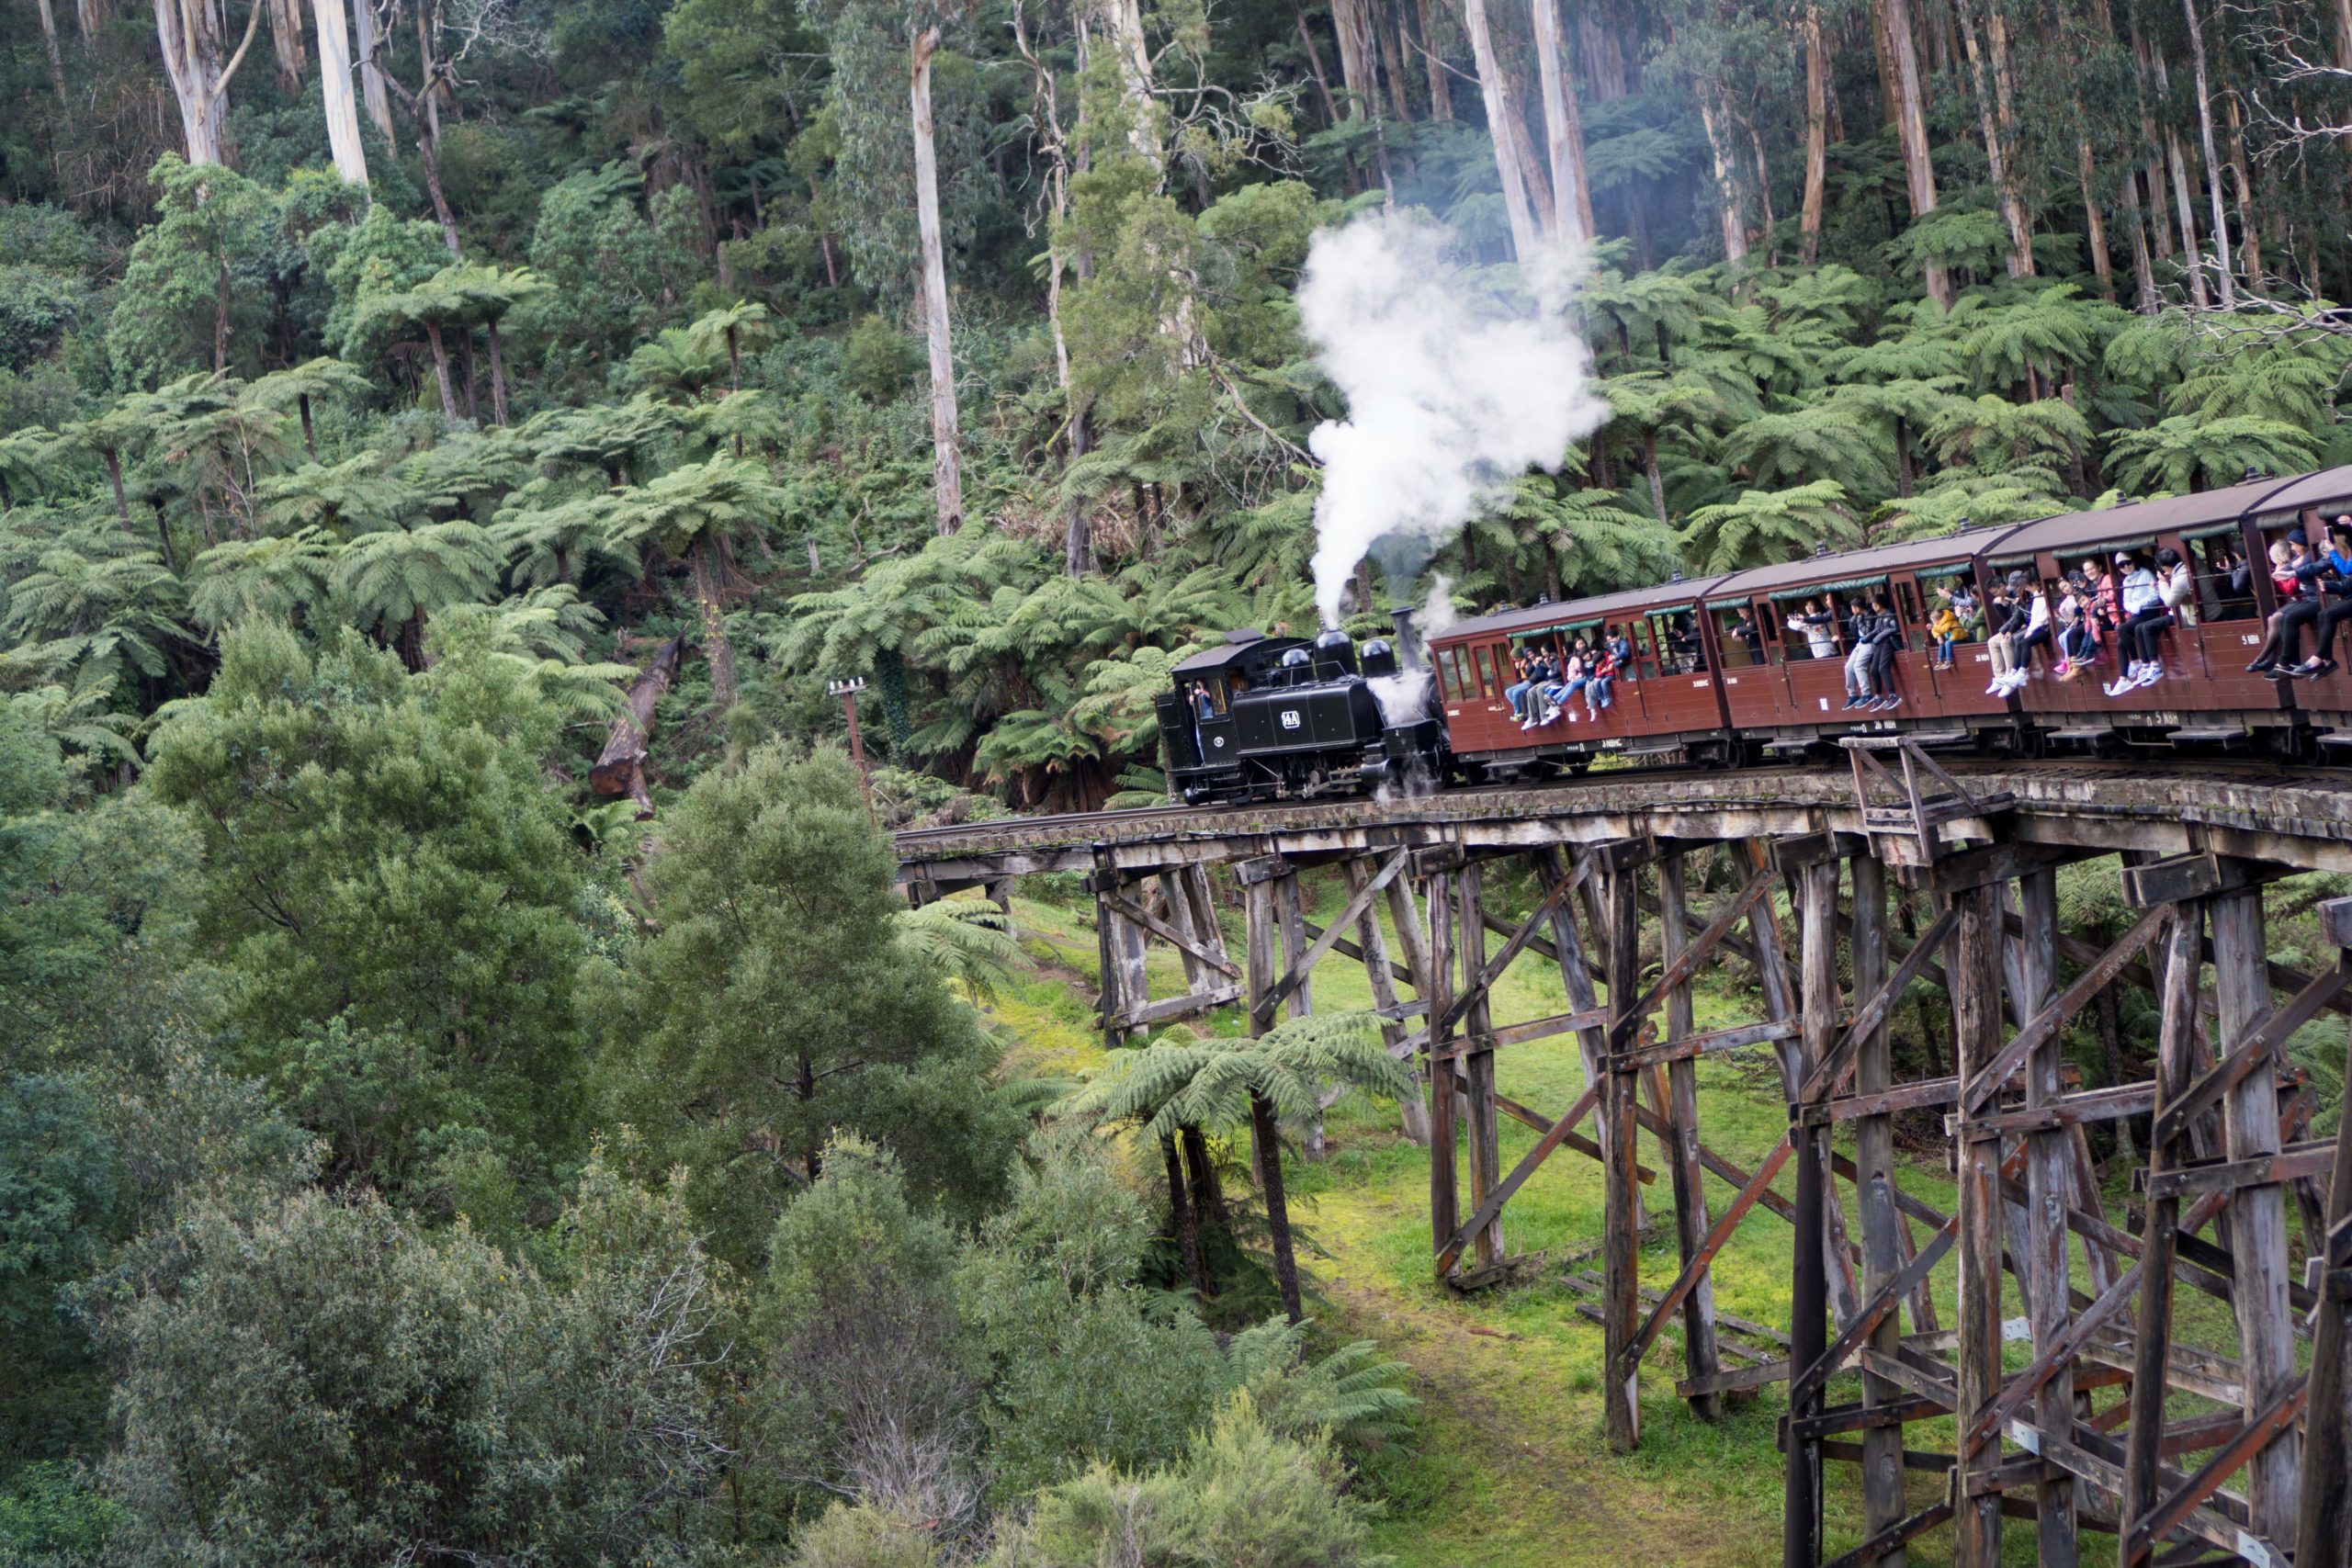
pixel 1409 652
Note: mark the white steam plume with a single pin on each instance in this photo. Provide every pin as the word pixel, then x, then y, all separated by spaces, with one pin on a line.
pixel 1453 392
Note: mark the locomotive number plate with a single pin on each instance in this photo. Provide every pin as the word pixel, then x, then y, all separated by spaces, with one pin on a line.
pixel 1290 719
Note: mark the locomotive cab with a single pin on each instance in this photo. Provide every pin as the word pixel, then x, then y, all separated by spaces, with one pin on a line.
pixel 1267 718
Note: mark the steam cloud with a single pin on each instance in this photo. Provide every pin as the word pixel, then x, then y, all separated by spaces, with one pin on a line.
pixel 1453 393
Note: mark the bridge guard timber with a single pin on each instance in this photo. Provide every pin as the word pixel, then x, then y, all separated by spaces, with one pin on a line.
pixel 1836 904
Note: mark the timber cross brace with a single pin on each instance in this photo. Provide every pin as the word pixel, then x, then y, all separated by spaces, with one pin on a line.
pixel 2073 1396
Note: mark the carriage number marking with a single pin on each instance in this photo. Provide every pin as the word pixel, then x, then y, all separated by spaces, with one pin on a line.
pixel 1290 719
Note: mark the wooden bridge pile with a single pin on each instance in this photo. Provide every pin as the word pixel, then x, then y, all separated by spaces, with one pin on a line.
pixel 2087 1434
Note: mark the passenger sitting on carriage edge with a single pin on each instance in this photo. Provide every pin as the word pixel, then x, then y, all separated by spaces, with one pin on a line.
pixel 2295 574
pixel 2077 640
pixel 1945 625
pixel 2335 598
pixel 1603 681
pixel 2037 629
pixel 1860 654
pixel 1886 641
pixel 2143 603
pixel 1516 692
pixel 2005 618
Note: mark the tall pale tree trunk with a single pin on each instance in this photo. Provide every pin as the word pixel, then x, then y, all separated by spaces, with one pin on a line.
pixel 335 86
pixel 2170 157
pixel 2221 268
pixel 89 17
pixel 1817 136
pixel 2248 240
pixel 1434 61
pixel 369 44
pixel 56 56
pixel 2094 220
pixel 1992 100
pixel 1358 54
pixel 1710 116
pixel 1392 63
pixel 285 42
pixel 1911 131
pixel 946 474
pixel 2151 147
pixel 2143 271
pixel 1502 123
pixel 191 34
pixel 1131 52
pixel 1572 222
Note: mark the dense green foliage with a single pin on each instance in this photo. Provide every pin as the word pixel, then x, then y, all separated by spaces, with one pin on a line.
pixel 414 1147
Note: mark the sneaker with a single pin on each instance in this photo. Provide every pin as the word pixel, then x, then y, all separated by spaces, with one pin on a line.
pixel 1999 688
pixel 1889 703
pixel 2119 685
pixel 1551 716
pixel 1852 703
pixel 2266 662
pixel 2065 670
pixel 2277 672
pixel 2313 669
pixel 2151 675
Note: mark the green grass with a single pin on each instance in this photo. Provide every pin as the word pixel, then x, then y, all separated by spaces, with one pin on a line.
pixel 1508 1465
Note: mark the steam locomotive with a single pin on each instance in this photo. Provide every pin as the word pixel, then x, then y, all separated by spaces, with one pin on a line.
pixel 1263 717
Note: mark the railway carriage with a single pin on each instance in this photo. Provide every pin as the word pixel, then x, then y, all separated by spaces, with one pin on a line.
pixel 1704 689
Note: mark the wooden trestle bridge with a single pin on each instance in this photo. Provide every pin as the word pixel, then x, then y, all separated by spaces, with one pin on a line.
pixel 2070 1431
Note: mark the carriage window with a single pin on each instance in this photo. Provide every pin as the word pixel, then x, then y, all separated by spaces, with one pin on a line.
pixel 1638 633
pixel 1677 638
pixel 2224 582
pixel 1906 604
pixel 1448 680
pixel 1486 684
pixel 1740 636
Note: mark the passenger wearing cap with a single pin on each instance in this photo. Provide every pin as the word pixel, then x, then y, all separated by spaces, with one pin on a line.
pixel 2144 616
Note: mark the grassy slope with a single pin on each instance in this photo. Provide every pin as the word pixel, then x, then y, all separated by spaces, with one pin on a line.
pixel 1509 1467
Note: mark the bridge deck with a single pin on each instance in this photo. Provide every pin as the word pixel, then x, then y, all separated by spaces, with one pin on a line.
pixel 2254 811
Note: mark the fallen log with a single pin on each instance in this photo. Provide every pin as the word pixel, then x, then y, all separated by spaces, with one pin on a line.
pixel 620 770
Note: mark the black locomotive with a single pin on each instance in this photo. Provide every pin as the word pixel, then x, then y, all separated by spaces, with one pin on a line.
pixel 1282 719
